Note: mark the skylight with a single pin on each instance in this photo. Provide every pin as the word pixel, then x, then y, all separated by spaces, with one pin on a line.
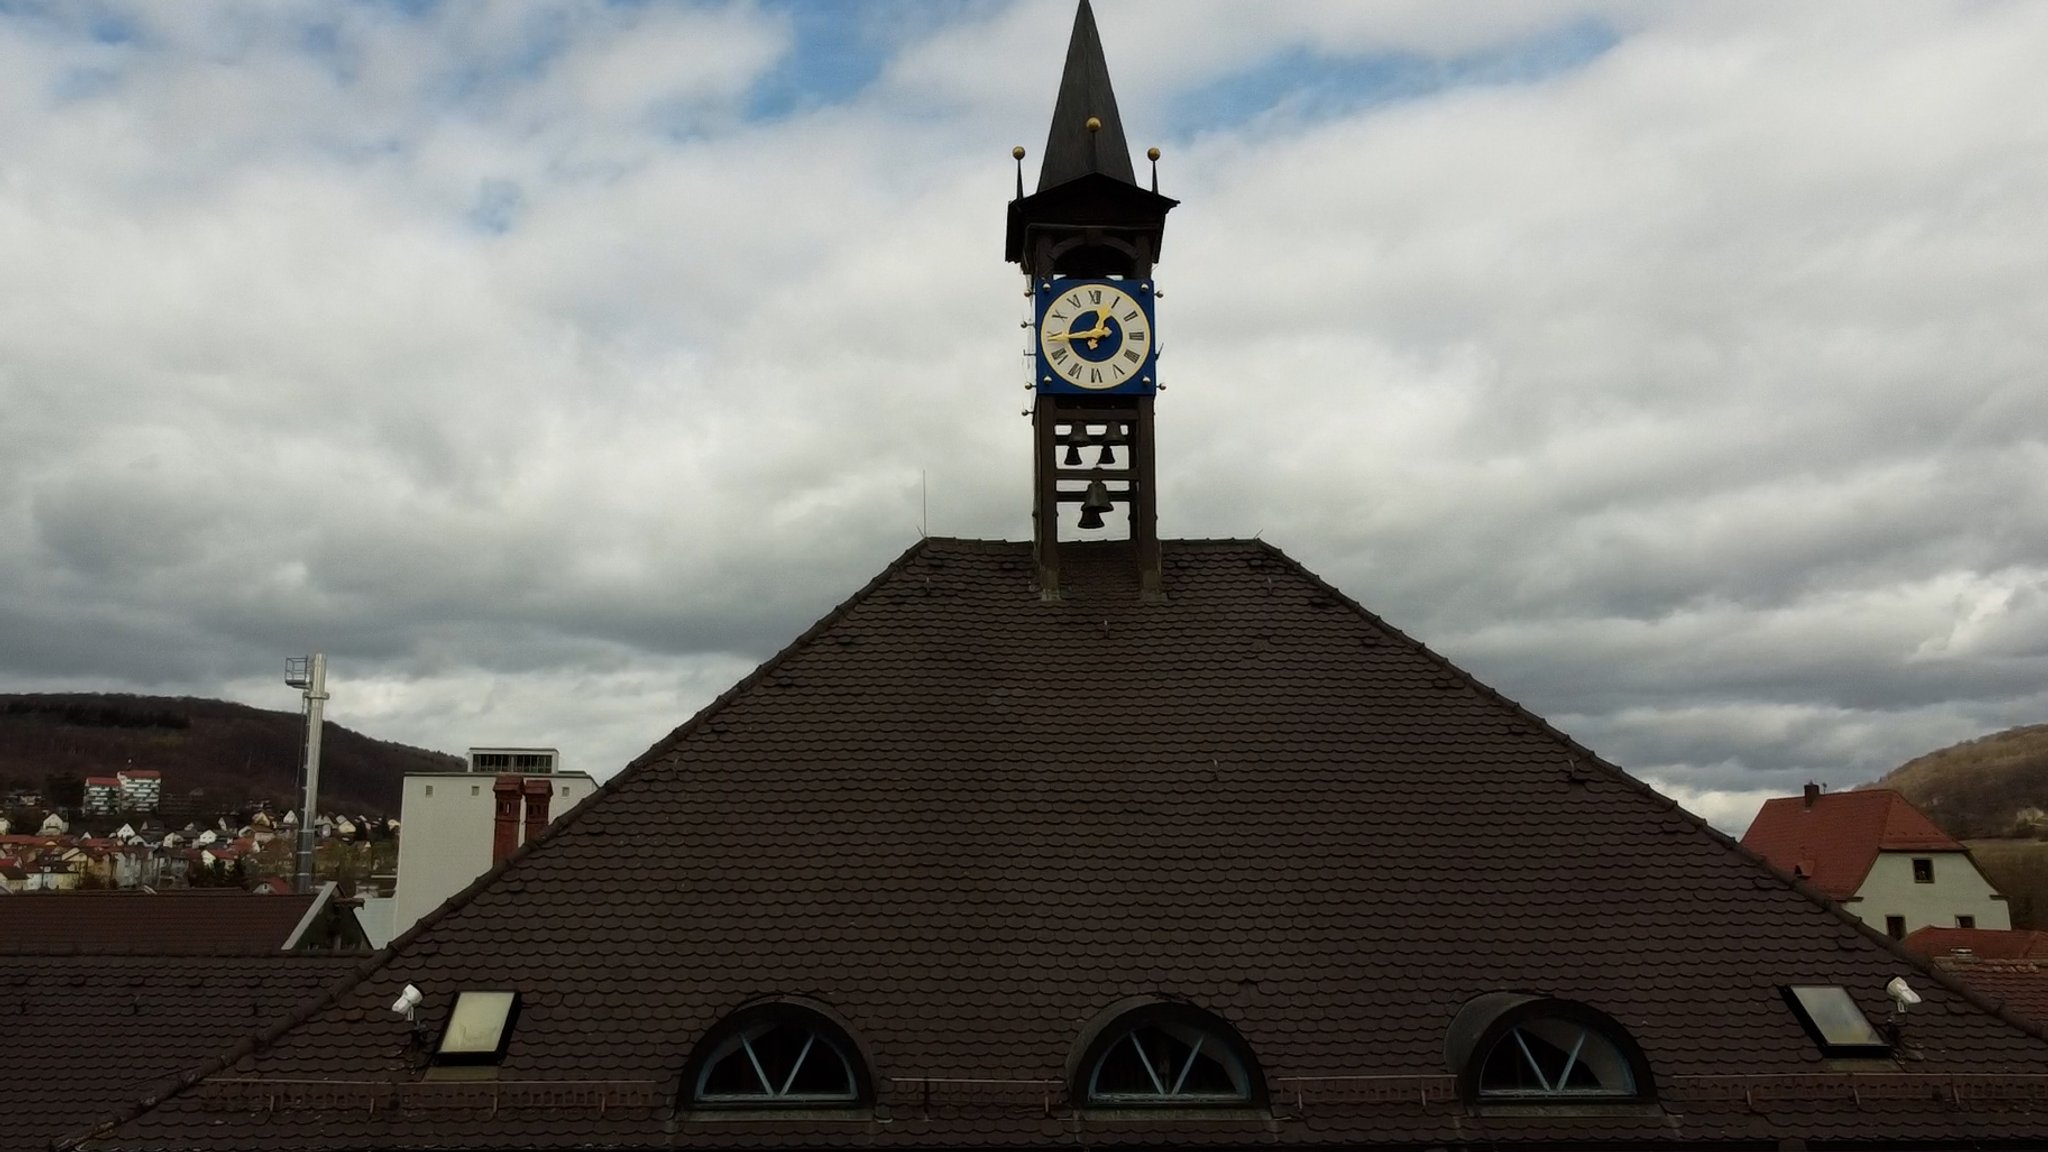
pixel 479 1028
pixel 1834 1021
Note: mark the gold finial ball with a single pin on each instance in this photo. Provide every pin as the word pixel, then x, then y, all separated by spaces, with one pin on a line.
pixel 1017 153
pixel 1094 124
pixel 1151 153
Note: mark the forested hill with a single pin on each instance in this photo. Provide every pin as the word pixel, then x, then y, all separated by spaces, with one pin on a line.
pixel 234 752
pixel 1993 786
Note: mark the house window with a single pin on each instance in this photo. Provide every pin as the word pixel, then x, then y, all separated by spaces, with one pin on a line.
pixel 1895 927
pixel 777 1056
pixel 430 789
pixel 1966 921
pixel 476 789
pixel 1923 870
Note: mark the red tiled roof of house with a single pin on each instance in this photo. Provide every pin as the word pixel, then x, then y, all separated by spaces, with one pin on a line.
pixel 970 820
pixel 142 774
pixel 103 781
pixel 1832 842
pixel 2021 986
pixel 83 1036
pixel 202 922
pixel 1988 943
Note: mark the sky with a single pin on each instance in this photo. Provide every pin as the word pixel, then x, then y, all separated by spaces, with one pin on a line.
pixel 1676 369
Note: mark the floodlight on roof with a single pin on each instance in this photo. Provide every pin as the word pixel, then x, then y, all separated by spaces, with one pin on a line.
pixel 408 1001
pixel 1902 994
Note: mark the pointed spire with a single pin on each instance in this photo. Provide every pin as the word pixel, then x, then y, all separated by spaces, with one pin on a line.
pixel 1072 149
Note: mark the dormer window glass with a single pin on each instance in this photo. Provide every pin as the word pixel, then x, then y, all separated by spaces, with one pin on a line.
pixel 1164 1054
pixel 1549 1056
pixel 1522 1048
pixel 1923 870
pixel 1168 1064
pixel 776 1057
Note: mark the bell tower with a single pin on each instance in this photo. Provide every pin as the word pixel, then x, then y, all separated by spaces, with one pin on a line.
pixel 1087 240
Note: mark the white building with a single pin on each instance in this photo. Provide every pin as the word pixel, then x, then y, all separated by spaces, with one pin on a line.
pixel 141 789
pixel 1886 863
pixel 451 823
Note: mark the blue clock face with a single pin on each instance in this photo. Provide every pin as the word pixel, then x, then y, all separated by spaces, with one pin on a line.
pixel 1095 336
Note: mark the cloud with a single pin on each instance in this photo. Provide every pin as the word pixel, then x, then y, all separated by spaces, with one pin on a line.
pixel 1675 369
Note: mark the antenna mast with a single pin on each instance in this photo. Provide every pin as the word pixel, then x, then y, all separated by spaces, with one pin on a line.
pixel 310 674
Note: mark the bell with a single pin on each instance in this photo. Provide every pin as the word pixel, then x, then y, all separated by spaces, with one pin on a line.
pixel 1094 504
pixel 1108 455
pixel 1073 457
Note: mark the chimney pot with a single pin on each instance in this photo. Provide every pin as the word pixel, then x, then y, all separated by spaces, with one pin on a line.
pixel 539 790
pixel 1812 793
pixel 505 830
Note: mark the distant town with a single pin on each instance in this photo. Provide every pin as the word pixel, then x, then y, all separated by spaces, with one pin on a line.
pixel 123 830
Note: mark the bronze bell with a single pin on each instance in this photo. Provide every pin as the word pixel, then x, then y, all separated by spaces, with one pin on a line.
pixel 1094 504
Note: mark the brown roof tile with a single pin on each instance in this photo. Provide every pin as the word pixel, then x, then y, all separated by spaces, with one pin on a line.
pixel 185 922
pixel 83 1037
pixel 970 820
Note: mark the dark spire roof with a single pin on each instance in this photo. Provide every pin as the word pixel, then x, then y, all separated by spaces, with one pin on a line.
pixel 1071 150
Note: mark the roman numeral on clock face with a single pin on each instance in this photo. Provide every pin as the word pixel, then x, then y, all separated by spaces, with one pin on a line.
pixel 1131 354
pixel 1059 355
pixel 1095 375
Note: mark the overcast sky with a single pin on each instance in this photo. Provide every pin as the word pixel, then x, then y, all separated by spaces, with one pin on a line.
pixel 1677 369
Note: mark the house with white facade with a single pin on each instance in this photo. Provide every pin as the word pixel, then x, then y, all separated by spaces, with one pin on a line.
pixel 1884 861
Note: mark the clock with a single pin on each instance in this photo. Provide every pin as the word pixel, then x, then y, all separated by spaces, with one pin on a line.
pixel 1095 336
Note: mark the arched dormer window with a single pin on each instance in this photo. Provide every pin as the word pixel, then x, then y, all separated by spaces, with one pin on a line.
pixel 1154 1053
pixel 776 1055
pixel 1511 1046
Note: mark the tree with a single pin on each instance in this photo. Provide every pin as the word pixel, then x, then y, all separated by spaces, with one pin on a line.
pixel 64 789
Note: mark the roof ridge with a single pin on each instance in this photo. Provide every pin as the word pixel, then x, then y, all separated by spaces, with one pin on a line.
pixel 258 1041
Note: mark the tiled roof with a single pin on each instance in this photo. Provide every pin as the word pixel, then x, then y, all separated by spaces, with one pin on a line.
pixel 204 922
pixel 1989 943
pixel 1832 841
pixel 2021 986
pixel 970 821
pixel 82 1037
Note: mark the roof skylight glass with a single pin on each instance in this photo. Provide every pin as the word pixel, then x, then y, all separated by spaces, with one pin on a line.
pixel 1834 1021
pixel 479 1028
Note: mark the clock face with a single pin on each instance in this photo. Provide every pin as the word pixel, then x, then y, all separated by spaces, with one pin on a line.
pixel 1095 336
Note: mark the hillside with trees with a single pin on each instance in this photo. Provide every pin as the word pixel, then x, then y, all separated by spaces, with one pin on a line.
pixel 231 753
pixel 1993 786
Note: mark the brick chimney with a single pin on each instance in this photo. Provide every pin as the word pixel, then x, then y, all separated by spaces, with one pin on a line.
pixel 505 834
pixel 539 790
pixel 1812 793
